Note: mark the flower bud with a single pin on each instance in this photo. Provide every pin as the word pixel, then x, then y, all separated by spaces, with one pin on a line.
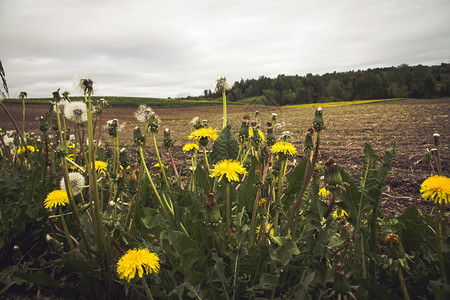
pixel 270 135
pixel 138 138
pixel 123 158
pixel 340 284
pixel 153 123
pixel 43 124
pixel 243 131
pixel 318 123
pixel 436 139
pixel 66 95
pixel 167 139
pixel 256 138
pixel 112 127
pixel 394 246
pixel 333 177
pixel 56 96
pixel 213 217
pixel 308 145
pixel 61 151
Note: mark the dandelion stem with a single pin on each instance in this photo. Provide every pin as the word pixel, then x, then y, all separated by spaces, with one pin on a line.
pixel 146 288
pixel 141 153
pixel 24 143
pixel 228 207
pixel 23 114
pixel 66 230
pixel 161 166
pixel 402 283
pixel 224 97
pixel 298 202
pixel 440 243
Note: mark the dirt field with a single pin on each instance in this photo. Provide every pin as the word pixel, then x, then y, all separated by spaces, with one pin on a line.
pixel 409 124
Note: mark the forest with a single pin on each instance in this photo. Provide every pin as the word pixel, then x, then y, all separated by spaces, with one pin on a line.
pixel 379 83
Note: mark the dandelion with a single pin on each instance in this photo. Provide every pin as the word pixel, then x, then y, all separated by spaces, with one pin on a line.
pixel 22 150
pixel 437 189
pixel 9 141
pixel 61 105
pixel 204 133
pixel 196 123
pixel 56 198
pixel 101 166
pixel 77 182
pixel 271 232
pixel 86 85
pixel 251 133
pixel 137 260
pixel 143 113
pixel 278 127
pixel 283 147
pixel 340 213
pixel 76 111
pixel 323 192
pixel 285 136
pixel 262 202
pixel 229 167
pixel 191 148
pixel 112 126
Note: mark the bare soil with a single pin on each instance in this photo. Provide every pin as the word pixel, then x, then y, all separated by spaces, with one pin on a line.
pixel 410 124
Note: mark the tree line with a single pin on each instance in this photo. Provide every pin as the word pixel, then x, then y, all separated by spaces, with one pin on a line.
pixel 379 83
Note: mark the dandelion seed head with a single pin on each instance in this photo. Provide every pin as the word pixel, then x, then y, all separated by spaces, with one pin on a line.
pixel 143 113
pixel 77 182
pixel 76 111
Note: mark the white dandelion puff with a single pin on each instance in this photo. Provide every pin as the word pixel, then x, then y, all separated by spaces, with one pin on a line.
pixel 77 183
pixel 76 111
pixel 143 113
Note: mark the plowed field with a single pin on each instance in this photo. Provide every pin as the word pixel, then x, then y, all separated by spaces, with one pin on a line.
pixel 410 124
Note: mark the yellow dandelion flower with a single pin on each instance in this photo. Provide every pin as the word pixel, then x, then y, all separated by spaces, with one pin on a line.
pixel 261 134
pixel 101 166
pixel 137 260
pixel 157 165
pixel 204 133
pixel 190 147
pixel 30 148
pixel 340 213
pixel 323 192
pixel 283 147
pixel 262 202
pixel 229 167
pixel 258 228
pixel 437 189
pixel 392 239
pixel 56 198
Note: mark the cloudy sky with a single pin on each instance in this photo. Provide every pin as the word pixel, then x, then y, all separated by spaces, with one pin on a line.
pixel 172 48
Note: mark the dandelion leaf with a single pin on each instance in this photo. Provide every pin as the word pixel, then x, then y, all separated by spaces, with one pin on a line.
pixel 225 146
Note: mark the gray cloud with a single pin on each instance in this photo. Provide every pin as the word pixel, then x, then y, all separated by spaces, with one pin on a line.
pixel 173 47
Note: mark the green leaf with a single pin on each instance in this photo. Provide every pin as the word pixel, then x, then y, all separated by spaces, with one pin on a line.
pixel 225 147
pixel 284 249
pixel 40 279
pixel 247 191
pixel 295 180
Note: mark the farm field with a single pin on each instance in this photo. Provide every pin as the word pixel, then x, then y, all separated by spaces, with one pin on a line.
pixel 409 124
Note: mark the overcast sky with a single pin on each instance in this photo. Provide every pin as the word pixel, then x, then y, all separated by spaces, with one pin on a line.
pixel 170 48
